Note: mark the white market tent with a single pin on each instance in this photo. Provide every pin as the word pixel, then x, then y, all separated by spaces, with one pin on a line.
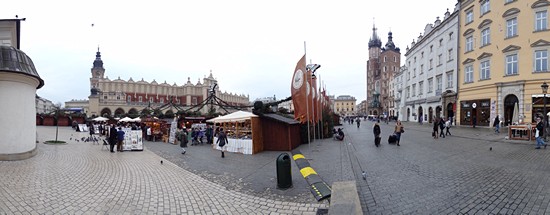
pixel 126 119
pixel 100 119
pixel 233 117
pixel 137 119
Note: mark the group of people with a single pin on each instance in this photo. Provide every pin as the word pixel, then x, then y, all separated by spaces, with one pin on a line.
pixel 441 124
pixel 394 138
pixel 196 135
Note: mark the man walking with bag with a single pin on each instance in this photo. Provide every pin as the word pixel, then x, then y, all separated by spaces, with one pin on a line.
pixel 222 141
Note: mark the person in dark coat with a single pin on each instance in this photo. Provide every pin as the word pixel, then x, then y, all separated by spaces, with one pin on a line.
pixel 539 134
pixel 496 124
pixel 222 141
pixel 441 127
pixel 120 139
pixel 112 138
pixel 183 140
pixel 435 128
pixel 376 131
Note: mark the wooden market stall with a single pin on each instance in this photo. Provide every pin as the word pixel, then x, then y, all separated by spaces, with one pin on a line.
pixel 280 133
pixel 158 127
pixel 243 131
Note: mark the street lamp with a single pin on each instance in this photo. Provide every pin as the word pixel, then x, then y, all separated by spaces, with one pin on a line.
pixel 544 87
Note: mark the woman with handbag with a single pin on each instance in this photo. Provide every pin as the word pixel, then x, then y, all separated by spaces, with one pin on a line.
pixel 399 129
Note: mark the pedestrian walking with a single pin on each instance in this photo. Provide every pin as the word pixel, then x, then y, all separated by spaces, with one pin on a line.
pixel 209 132
pixel 183 140
pixel 399 129
pixel 496 124
pixel 358 122
pixel 539 133
pixel 441 127
pixel 222 141
pixel 120 139
pixel 435 128
pixel 448 126
pixel 112 138
pixel 376 131
pixel 474 121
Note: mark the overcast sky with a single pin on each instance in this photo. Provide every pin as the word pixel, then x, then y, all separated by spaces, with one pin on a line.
pixel 251 46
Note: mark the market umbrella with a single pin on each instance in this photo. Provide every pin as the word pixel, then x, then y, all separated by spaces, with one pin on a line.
pixel 137 119
pixel 100 119
pixel 515 116
pixel 126 119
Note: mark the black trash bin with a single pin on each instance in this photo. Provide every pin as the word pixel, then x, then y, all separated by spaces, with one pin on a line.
pixel 284 176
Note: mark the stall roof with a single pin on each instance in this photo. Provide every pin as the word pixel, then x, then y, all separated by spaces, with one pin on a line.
pixel 281 118
pixel 233 117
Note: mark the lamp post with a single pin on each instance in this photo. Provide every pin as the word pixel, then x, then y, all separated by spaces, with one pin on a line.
pixel 544 87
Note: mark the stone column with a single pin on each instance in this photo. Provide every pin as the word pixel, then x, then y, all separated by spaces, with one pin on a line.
pixel 18 84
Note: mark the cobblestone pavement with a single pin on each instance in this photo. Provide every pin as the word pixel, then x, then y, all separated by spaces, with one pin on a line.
pixel 81 178
pixel 459 174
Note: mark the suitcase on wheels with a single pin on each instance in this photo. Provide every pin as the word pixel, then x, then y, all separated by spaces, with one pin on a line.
pixel 392 139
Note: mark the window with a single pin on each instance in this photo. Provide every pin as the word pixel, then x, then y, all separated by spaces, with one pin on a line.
pixel 469 74
pixel 420 87
pixel 541 20
pixel 430 85
pixel 118 97
pixel 104 97
pixel 450 36
pixel 129 98
pixel 485 37
pixel 415 59
pixel 469 44
pixel 449 79
pixel 508 1
pixel 421 68
pixel 439 83
pixel 414 72
pixel 485 72
pixel 469 16
pixel 414 90
pixel 450 55
pixel 421 54
pixel 384 59
pixel 512 27
pixel 440 42
pixel 541 61
pixel 431 64
pixel 439 57
pixel 394 59
pixel 431 48
pixel 408 92
pixel 408 75
pixel 512 64
pixel 485 7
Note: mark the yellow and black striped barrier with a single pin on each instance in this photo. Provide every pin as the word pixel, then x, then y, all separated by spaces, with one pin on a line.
pixel 318 187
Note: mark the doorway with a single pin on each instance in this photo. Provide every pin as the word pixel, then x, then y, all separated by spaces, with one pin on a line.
pixel 430 114
pixel 509 103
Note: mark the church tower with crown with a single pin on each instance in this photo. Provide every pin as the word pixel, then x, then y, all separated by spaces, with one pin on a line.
pixel 382 64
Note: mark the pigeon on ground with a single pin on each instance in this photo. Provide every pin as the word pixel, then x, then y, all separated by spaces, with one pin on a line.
pixel 161 162
pixel 364 175
pixel 490 148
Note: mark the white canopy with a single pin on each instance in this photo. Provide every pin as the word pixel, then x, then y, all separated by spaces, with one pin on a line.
pixel 100 119
pixel 233 117
pixel 137 119
pixel 126 119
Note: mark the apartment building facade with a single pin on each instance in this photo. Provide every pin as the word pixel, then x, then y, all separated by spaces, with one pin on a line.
pixel 503 60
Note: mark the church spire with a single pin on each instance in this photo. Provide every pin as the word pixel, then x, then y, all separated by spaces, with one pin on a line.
pixel 374 40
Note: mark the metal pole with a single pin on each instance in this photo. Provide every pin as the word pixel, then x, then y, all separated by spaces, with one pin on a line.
pixel 307 105
pixel 545 118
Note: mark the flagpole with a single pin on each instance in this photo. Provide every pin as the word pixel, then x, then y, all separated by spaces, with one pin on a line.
pixel 321 107
pixel 307 105
pixel 313 104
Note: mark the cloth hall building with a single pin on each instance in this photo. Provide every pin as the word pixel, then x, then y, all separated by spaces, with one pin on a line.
pixel 120 97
